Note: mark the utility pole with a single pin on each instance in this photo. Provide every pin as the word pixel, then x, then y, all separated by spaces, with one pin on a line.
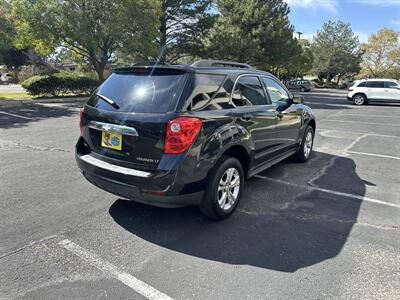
pixel 299 34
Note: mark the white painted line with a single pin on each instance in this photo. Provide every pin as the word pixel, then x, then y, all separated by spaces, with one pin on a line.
pixel 357 115
pixel 14 115
pixel 373 154
pixel 135 284
pixel 314 188
pixel 359 122
pixel 357 132
pixel 57 105
pixel 329 104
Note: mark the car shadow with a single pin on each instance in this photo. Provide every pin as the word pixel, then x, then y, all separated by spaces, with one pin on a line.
pixel 21 115
pixel 278 226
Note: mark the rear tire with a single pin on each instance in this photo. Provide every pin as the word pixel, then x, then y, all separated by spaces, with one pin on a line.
pixel 359 99
pixel 224 189
pixel 304 152
pixel 303 89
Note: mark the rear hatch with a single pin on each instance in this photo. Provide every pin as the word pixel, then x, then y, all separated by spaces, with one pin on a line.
pixel 124 121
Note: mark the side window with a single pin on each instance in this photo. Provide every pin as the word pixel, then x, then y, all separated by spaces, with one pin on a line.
pixel 391 85
pixel 276 92
pixel 376 84
pixel 221 99
pixel 362 84
pixel 248 91
pixel 204 87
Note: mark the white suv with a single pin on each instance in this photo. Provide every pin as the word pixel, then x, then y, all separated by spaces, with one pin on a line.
pixel 367 90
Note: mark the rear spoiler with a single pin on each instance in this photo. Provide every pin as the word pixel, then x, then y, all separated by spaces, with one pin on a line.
pixel 152 70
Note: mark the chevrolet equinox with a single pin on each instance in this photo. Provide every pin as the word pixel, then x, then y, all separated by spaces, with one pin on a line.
pixel 177 135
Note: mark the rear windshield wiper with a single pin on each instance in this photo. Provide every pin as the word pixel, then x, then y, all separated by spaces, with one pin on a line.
pixel 108 100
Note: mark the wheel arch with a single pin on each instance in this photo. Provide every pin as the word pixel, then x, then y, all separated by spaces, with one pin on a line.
pixel 242 155
pixel 360 93
pixel 313 124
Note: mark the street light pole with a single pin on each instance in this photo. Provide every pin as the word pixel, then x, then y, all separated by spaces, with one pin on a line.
pixel 299 34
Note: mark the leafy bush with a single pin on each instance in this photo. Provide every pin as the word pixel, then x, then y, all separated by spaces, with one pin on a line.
pixel 59 84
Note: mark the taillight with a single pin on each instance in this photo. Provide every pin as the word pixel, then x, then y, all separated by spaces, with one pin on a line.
pixel 181 133
pixel 80 119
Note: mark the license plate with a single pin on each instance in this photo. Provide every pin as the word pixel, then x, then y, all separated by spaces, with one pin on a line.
pixel 111 140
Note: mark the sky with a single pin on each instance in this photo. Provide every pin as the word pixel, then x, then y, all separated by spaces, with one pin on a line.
pixel 365 16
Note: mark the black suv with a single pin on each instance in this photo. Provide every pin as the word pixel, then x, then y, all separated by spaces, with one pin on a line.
pixel 174 135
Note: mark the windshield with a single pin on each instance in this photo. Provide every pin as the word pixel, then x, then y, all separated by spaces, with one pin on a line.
pixel 139 93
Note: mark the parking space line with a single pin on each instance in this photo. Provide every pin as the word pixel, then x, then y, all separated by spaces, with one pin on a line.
pixel 57 105
pixel 357 132
pixel 315 188
pixel 329 104
pixel 359 115
pixel 135 284
pixel 373 154
pixel 14 115
pixel 358 122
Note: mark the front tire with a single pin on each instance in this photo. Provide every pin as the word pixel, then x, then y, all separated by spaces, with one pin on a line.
pixel 303 89
pixel 359 99
pixel 304 152
pixel 224 189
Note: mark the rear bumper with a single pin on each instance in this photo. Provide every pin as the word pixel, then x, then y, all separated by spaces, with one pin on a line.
pixel 349 98
pixel 165 188
pixel 134 193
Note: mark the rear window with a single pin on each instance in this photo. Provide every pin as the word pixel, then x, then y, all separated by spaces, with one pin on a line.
pixel 140 93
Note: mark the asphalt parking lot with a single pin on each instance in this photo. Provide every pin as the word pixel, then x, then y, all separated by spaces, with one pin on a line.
pixel 329 228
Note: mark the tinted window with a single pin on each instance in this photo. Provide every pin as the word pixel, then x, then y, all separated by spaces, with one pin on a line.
pixel 204 88
pixel 275 90
pixel 376 84
pixel 391 84
pixel 221 99
pixel 140 93
pixel 248 91
pixel 362 84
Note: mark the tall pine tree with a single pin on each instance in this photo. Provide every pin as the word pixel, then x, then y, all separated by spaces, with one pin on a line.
pixel 257 32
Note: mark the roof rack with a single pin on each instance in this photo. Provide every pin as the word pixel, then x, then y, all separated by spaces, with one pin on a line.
pixel 220 63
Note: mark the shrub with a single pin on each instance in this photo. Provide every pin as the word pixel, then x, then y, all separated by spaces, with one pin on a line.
pixel 59 84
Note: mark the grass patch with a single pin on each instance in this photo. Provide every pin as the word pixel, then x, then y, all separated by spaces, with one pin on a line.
pixel 25 95
pixel 14 95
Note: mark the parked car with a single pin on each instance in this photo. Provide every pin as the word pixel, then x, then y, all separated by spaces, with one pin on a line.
pixel 6 77
pixel 380 90
pixel 301 85
pixel 190 135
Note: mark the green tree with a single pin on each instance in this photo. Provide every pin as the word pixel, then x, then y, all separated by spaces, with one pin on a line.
pixel 381 55
pixel 182 27
pixel 94 29
pixel 9 56
pixel 301 64
pixel 336 50
pixel 257 32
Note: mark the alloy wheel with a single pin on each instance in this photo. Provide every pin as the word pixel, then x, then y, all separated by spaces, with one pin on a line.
pixel 359 100
pixel 308 144
pixel 228 189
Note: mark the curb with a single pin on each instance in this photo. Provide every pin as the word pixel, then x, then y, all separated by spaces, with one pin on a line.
pixel 15 102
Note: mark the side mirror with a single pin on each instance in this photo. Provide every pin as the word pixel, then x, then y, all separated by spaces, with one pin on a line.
pixel 298 99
